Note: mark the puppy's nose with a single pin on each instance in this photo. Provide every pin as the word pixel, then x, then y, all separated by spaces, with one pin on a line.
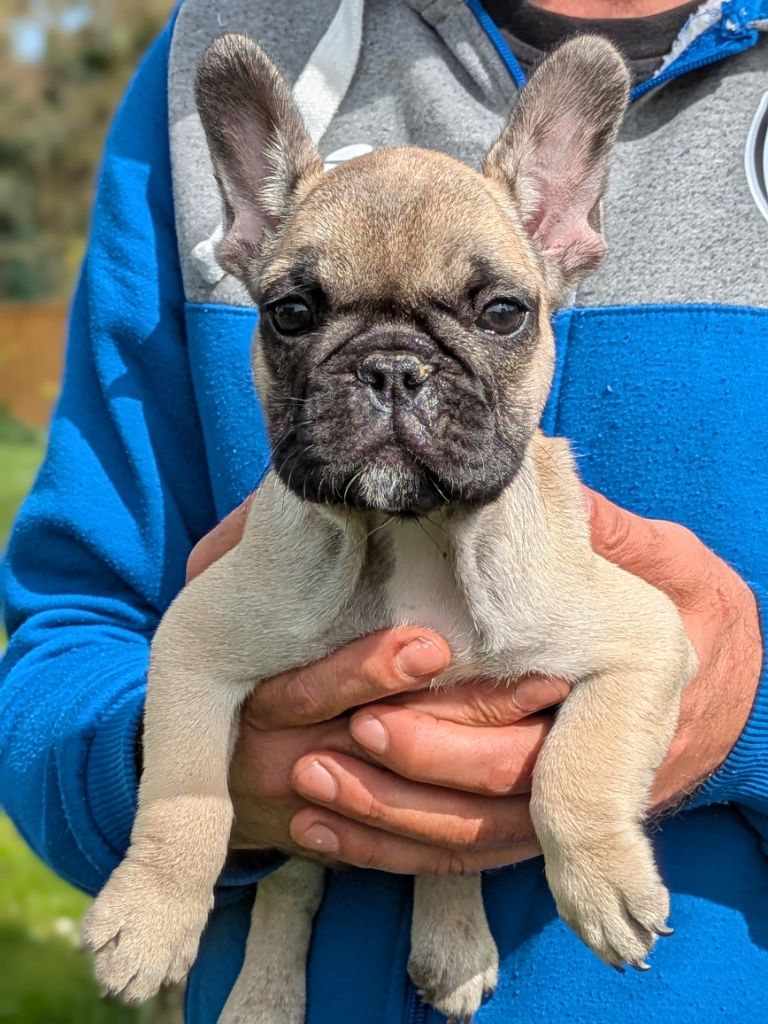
pixel 398 374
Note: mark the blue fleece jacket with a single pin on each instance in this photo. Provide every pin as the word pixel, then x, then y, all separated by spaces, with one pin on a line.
pixel 130 482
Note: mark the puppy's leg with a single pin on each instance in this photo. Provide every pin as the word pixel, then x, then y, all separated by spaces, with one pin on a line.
pixel 591 785
pixel 145 926
pixel 454 960
pixel 271 987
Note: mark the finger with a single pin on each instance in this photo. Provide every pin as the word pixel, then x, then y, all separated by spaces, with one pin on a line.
pixel 262 762
pixel 365 670
pixel 486 704
pixel 441 817
pixel 222 538
pixel 660 552
pixel 494 761
pixel 364 846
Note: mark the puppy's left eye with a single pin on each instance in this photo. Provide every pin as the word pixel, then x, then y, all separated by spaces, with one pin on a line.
pixel 292 316
pixel 502 316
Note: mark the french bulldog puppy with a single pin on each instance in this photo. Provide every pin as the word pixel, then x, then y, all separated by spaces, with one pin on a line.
pixel 403 359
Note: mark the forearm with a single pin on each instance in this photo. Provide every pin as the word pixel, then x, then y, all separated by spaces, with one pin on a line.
pixel 71 703
pixel 743 775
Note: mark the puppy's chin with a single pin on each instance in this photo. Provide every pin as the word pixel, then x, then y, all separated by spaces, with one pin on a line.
pixel 396 488
pixel 390 484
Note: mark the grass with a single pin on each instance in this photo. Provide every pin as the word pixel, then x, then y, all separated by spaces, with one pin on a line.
pixel 44 978
pixel 18 465
pixel 21 449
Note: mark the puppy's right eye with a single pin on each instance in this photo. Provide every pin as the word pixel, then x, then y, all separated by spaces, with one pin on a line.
pixel 292 316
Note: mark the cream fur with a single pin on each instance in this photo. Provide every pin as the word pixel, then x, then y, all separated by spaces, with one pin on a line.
pixel 516 588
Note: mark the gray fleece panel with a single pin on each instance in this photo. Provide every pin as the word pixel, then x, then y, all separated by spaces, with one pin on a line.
pixel 411 89
pixel 681 223
pixel 289 31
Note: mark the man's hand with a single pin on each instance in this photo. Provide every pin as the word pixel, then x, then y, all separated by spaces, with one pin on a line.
pixel 299 781
pixel 720 616
pixel 437 781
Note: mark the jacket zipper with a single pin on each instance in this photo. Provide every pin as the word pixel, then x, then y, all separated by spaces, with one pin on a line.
pixel 674 71
pixel 491 30
pixel 417 1012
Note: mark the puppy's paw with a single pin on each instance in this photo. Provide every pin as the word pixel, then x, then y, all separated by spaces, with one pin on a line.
pixel 614 900
pixel 453 971
pixel 143 931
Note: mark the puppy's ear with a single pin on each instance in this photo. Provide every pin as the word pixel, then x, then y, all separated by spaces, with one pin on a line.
pixel 259 146
pixel 554 151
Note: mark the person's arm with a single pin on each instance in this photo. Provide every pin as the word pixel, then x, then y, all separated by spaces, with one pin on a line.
pixel 100 545
pixel 720 751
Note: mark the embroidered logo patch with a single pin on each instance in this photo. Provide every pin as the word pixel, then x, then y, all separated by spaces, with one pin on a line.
pixel 756 157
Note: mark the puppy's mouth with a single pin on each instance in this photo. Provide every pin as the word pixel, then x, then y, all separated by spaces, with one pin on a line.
pixel 396 431
pixel 392 480
pixel 389 479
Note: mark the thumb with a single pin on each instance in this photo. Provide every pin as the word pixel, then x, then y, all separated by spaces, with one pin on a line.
pixel 221 539
pixel 658 551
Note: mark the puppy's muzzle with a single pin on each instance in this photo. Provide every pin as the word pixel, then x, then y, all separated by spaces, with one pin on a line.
pixel 393 377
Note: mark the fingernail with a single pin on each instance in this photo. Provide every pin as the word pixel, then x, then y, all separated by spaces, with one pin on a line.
pixel 421 658
pixel 316 781
pixel 319 837
pixel 369 733
pixel 534 693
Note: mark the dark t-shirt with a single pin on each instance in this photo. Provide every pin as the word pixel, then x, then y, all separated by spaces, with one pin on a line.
pixel 532 32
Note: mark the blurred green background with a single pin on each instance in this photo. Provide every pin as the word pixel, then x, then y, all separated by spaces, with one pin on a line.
pixel 63 68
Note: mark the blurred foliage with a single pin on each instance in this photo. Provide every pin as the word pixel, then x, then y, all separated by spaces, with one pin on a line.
pixel 46 979
pixel 13 431
pixel 21 449
pixel 18 464
pixel 54 110
pixel 55 104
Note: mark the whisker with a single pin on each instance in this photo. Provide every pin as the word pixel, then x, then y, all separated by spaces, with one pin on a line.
pixel 357 475
pixel 429 536
pixel 376 529
pixel 439 526
pixel 439 490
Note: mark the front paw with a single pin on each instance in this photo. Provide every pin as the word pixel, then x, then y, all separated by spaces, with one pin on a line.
pixel 144 931
pixel 612 897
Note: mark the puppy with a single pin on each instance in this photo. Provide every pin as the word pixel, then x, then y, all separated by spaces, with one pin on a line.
pixel 403 359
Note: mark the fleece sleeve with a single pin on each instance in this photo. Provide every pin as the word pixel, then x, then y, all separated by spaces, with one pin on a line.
pixel 743 778
pixel 99 548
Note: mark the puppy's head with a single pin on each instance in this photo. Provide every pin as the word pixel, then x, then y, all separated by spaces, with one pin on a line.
pixel 405 351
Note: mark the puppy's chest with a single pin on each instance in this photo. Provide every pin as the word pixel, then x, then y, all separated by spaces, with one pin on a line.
pixel 412 580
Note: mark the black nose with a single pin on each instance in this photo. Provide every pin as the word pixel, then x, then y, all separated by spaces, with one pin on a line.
pixel 393 373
